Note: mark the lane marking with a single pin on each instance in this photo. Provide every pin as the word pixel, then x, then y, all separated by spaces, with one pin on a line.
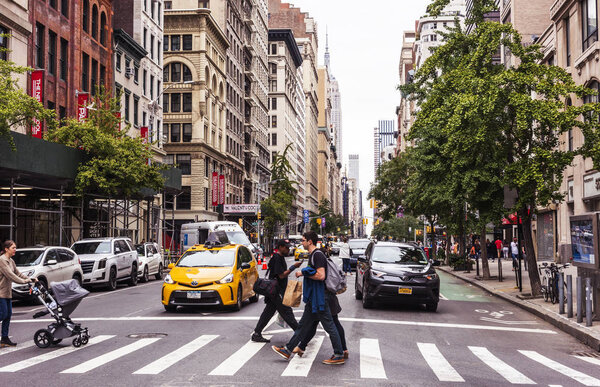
pixel 591 360
pixel 108 357
pixel 27 344
pixel 371 363
pixel 506 371
pixel 508 322
pixel 51 355
pixel 300 366
pixel 348 319
pixel 582 378
pixel 233 363
pixel 442 297
pixel 438 363
pixel 177 355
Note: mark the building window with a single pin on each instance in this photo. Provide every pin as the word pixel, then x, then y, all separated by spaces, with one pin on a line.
pixel 175 103
pixel 187 42
pixel 144 119
pixel 103 29
pixel 136 106
pixel 175 43
pixel 152 87
pixel 206 198
pixel 567 28
pixel 175 72
pixel 187 132
pixel 53 4
pixel 152 9
pixel 206 166
pixel 62 112
pixel 86 16
pixel 203 4
pixel 136 74
pixel 85 68
pixel 273 121
pixel 184 162
pixel 64 8
pixel 158 49
pixel 144 76
pixel 118 62
pixel 95 22
pixel 39 45
pixel 175 132
pixel 166 46
pixel 184 199
pixel 152 46
pixel 165 103
pixel 274 103
pixel 102 76
pixel 64 58
pixel 51 52
pixel 273 48
pixel 127 95
pixel 168 4
pixel 94 76
pixel 3 43
pixel 589 22
pixel 144 37
pixel 274 139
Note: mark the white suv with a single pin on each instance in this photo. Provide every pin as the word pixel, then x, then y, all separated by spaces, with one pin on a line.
pixel 105 261
pixel 48 264
pixel 151 261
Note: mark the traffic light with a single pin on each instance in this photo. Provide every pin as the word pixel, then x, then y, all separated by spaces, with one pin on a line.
pixel 318 220
pixel 258 215
pixel 241 222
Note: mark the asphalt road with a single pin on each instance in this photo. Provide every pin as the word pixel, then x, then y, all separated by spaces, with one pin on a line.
pixel 473 339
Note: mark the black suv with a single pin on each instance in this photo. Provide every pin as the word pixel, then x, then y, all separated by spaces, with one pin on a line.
pixel 398 272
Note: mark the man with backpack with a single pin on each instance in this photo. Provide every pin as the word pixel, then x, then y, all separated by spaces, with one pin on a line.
pixel 316 303
pixel 277 271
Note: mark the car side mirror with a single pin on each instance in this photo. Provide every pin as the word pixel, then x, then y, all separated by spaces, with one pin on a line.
pixel 171 265
pixel 437 263
pixel 51 262
pixel 245 266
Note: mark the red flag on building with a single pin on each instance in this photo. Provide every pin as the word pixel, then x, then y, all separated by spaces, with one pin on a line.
pixel 82 106
pixel 215 188
pixel 37 92
pixel 221 189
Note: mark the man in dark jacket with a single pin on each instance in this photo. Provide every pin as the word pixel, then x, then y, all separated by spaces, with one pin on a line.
pixel 279 271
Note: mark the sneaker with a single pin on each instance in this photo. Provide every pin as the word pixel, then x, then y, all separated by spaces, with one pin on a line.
pixel 298 351
pixel 5 342
pixel 282 351
pixel 334 360
pixel 259 338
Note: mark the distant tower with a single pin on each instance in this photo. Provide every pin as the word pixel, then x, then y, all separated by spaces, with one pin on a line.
pixel 327 48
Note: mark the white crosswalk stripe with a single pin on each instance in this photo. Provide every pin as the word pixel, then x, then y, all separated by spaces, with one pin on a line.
pixel 51 355
pixel 177 355
pixel 300 366
pixel 27 344
pixel 582 378
pixel 236 361
pixel 506 371
pixel 588 359
pixel 108 357
pixel 371 363
pixel 438 363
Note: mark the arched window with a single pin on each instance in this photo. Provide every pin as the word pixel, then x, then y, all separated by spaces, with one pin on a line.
pixel 187 73
pixel 103 29
pixel 86 16
pixel 95 22
pixel 173 73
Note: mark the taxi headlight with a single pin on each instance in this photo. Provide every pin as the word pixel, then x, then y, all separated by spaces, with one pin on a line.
pixel 227 279
pixel 168 279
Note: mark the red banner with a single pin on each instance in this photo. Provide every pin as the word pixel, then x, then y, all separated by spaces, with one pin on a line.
pixel 221 189
pixel 118 115
pixel 82 104
pixel 144 134
pixel 37 92
pixel 215 188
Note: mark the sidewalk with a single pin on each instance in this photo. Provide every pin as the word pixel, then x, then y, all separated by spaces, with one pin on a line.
pixel 546 310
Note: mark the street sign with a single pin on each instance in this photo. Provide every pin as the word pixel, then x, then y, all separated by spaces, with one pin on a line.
pixel 306 216
pixel 241 208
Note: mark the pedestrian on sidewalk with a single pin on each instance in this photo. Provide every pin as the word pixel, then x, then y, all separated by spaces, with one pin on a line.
pixel 514 250
pixel 316 306
pixel 505 248
pixel 345 256
pixel 9 274
pixel 455 248
pixel 498 248
pixel 491 250
pixel 277 270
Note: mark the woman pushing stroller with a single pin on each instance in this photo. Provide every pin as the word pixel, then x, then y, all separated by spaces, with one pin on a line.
pixel 9 274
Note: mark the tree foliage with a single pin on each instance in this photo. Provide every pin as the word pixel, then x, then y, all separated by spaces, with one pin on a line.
pixel 117 164
pixel 334 224
pixel 17 109
pixel 400 229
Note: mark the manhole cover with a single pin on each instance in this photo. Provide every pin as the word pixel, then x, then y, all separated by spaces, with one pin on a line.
pixel 146 335
pixel 586 354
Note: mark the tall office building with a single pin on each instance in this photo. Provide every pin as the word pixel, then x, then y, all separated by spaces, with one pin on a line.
pixel 383 137
pixel 353 168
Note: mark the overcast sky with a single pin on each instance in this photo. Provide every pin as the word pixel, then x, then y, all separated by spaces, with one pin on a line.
pixel 365 39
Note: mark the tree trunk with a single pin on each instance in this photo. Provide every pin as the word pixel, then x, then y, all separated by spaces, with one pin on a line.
pixel 461 236
pixel 484 258
pixel 448 240
pixel 532 268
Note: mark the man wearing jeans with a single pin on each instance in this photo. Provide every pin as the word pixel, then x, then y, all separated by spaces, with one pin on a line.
pixel 316 305
pixel 345 255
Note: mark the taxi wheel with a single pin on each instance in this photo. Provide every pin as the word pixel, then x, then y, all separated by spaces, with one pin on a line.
pixel 238 305
pixel 170 308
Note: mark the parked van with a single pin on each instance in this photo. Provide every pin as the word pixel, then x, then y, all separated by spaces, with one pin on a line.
pixel 197 233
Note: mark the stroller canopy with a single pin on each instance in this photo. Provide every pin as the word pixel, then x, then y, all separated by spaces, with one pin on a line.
pixel 67 292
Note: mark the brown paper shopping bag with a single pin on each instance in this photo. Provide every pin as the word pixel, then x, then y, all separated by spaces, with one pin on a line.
pixel 293 293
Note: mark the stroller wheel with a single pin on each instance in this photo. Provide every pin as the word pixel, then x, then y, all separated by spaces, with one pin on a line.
pixel 56 341
pixel 85 339
pixel 43 338
pixel 76 342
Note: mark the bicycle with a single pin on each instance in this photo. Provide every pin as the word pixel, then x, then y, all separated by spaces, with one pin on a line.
pixel 550 281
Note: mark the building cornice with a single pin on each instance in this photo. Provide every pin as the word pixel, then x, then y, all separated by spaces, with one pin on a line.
pixel 287 36
pixel 124 41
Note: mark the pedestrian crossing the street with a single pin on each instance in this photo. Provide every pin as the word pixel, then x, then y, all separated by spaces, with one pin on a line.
pixel 372 355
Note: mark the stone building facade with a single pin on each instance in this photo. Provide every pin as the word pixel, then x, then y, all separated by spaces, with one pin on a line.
pixel 404 111
pixel 194 108
pixel 72 42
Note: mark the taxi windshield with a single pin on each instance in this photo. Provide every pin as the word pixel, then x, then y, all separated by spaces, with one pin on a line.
pixel 207 258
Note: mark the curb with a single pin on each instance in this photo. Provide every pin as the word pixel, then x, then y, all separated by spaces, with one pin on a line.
pixel 580 332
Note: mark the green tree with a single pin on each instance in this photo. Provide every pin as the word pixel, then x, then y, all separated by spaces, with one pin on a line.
pixel 117 164
pixel 400 229
pixel 17 109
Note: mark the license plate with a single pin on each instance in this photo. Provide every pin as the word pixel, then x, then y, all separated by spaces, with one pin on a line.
pixel 404 290
pixel 194 294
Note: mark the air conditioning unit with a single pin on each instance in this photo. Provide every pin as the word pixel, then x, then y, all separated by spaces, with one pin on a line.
pixel 129 72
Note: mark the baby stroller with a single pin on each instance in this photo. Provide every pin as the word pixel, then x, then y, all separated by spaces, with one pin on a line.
pixel 66 297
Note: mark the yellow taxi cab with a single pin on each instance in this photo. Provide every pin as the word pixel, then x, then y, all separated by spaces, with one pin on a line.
pixel 300 253
pixel 216 273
